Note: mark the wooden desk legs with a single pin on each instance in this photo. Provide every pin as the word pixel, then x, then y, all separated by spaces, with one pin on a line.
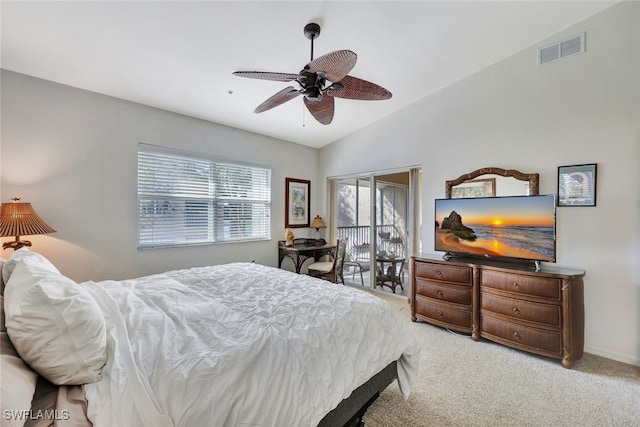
pixel 297 259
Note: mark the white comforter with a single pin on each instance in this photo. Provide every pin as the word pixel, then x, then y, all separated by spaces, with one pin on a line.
pixel 240 345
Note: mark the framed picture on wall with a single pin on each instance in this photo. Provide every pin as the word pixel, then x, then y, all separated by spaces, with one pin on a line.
pixel 297 203
pixel 577 185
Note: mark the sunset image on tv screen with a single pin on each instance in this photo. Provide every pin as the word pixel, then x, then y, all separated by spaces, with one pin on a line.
pixel 516 227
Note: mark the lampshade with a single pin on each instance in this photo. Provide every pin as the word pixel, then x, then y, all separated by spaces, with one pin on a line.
pixel 19 219
pixel 318 222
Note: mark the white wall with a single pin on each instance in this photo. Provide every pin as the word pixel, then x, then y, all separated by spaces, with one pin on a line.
pixel 516 115
pixel 73 155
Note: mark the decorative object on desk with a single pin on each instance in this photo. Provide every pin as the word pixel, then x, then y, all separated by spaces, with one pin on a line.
pixel 288 237
pixel 297 203
pixel 19 219
pixel 577 185
pixel 318 223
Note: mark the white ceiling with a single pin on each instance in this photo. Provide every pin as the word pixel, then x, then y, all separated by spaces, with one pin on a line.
pixel 179 55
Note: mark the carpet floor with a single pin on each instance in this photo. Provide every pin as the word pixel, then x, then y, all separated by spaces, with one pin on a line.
pixel 462 382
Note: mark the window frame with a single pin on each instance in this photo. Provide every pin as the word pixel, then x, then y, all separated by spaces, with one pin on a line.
pixel 184 198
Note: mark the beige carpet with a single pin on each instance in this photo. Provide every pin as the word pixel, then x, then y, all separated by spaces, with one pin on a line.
pixel 462 382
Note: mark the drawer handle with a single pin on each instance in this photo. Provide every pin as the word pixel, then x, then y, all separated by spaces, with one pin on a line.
pixel 440 294
pixel 516 335
pixel 439 274
pixel 439 313
pixel 516 285
pixel 516 311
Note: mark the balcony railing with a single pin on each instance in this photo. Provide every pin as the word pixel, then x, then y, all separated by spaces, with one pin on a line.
pixel 361 235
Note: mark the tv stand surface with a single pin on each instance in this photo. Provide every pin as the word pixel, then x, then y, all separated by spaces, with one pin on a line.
pixel 515 304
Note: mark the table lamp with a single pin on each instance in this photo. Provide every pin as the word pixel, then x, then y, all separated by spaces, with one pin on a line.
pixel 318 223
pixel 19 219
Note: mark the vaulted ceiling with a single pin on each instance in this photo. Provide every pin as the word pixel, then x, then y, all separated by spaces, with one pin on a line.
pixel 180 55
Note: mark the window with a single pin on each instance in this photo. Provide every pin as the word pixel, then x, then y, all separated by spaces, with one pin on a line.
pixel 188 199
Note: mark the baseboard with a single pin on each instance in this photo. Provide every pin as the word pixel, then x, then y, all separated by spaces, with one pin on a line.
pixel 616 357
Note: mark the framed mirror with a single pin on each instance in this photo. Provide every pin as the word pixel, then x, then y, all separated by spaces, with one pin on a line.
pixel 480 183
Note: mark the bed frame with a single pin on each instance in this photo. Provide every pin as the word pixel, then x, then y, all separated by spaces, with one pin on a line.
pixel 350 411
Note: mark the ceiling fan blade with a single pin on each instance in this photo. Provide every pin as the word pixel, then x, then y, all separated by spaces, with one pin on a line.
pixel 336 64
pixel 279 98
pixel 355 88
pixel 265 75
pixel 323 110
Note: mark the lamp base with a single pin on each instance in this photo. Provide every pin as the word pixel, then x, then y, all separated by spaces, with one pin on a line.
pixel 15 244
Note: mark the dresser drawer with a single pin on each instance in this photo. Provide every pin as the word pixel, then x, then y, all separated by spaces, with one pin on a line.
pixel 445 273
pixel 451 293
pixel 545 287
pixel 536 340
pixel 443 314
pixel 545 314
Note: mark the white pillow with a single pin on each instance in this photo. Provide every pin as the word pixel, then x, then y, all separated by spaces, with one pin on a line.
pixel 35 259
pixel 17 385
pixel 55 325
pixel 35 267
pixel 18 381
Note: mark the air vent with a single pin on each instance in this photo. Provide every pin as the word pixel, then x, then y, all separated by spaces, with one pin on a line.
pixel 562 49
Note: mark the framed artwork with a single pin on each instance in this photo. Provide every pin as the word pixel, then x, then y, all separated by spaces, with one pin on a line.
pixel 297 203
pixel 577 185
pixel 474 188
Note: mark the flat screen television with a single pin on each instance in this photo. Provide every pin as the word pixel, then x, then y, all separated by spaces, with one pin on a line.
pixel 512 228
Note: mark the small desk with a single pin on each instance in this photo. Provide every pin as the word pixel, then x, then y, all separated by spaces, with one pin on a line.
pixel 302 250
pixel 392 277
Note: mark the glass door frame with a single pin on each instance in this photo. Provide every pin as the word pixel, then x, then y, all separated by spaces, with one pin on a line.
pixel 373 179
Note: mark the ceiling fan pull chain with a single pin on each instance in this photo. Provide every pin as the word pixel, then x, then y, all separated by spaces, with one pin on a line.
pixel 304 123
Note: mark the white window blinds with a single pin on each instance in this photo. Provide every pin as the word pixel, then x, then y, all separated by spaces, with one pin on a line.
pixel 186 199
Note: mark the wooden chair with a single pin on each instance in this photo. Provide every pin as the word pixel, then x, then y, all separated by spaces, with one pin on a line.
pixel 331 270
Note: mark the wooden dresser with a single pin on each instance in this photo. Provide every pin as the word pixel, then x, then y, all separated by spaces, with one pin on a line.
pixel 541 312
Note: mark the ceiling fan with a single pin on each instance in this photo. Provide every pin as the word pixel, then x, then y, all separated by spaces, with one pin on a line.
pixel 320 81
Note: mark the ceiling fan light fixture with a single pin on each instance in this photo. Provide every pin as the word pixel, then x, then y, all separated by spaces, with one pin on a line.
pixel 314 95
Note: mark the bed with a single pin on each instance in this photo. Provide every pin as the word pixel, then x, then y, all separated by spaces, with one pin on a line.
pixel 237 344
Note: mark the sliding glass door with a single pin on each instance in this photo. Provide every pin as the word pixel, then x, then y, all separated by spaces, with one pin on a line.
pixel 372 214
pixel 391 217
pixel 354 225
